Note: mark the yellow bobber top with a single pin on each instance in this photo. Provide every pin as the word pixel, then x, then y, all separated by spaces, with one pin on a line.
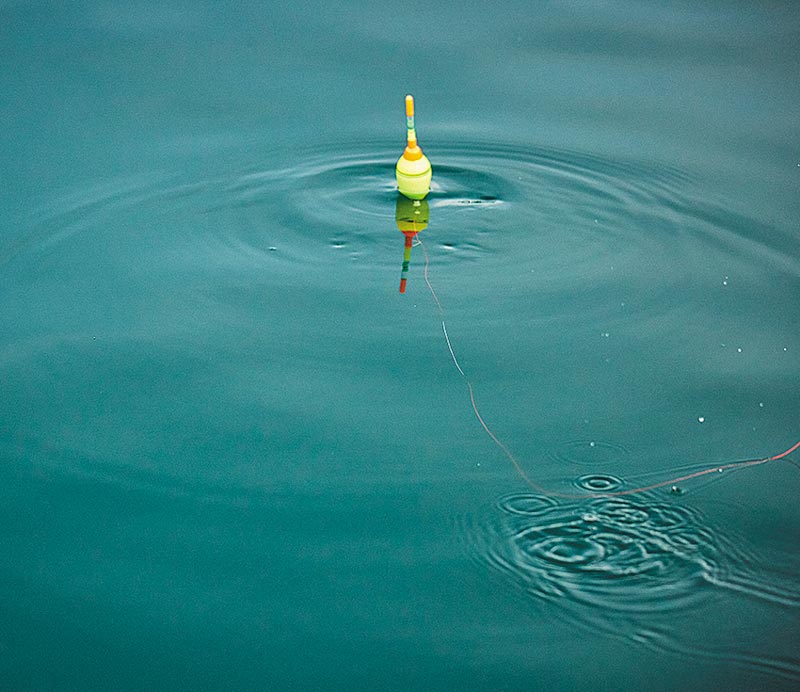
pixel 413 170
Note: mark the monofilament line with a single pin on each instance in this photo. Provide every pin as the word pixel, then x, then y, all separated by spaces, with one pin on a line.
pixel 735 465
pixel 450 346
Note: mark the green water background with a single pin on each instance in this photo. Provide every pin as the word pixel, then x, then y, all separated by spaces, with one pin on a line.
pixel 234 457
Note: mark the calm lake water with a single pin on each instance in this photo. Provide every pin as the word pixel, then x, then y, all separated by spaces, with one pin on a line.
pixel 234 456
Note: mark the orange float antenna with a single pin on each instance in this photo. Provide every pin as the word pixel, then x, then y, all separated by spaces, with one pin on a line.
pixel 413 170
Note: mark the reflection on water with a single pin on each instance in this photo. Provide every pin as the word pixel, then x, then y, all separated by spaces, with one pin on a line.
pixel 411 217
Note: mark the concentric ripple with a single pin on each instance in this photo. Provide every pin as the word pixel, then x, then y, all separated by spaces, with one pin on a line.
pixel 598 483
pixel 591 452
pixel 526 504
pixel 551 219
pixel 510 205
pixel 622 562
pixel 633 564
pixel 609 554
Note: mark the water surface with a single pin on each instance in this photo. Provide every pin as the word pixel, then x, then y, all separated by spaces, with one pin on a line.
pixel 235 456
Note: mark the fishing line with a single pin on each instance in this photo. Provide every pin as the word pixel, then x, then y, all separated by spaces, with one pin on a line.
pixel 720 468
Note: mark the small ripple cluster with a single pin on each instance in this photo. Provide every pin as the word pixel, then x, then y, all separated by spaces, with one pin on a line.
pixel 615 553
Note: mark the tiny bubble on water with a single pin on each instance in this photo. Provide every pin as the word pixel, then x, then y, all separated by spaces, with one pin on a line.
pixel 701 419
pixel 738 350
pixel 591 444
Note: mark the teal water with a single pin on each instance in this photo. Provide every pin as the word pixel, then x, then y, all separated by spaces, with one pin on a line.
pixel 234 456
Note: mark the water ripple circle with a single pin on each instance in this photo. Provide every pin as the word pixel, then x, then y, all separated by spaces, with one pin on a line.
pixel 569 209
pixel 608 554
pixel 526 504
pixel 598 482
pixel 590 452
pixel 549 218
